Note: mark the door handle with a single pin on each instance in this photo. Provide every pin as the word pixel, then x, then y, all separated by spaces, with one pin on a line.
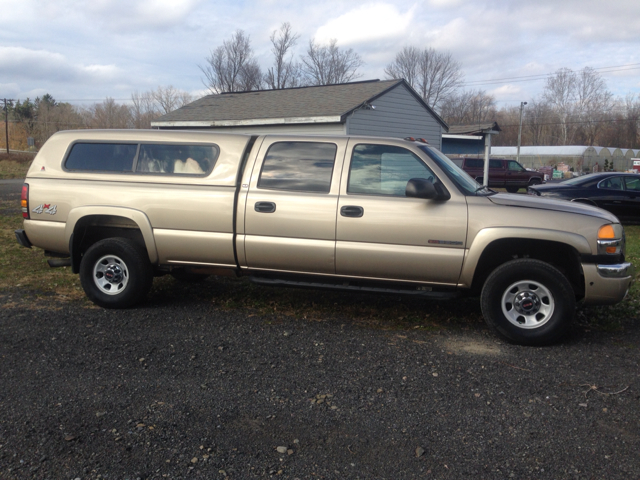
pixel 351 211
pixel 265 207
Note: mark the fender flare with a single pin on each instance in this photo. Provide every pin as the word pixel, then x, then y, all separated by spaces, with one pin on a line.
pixel 136 216
pixel 488 235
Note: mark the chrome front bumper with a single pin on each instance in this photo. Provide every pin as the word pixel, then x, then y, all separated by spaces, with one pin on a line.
pixel 616 271
pixel 607 284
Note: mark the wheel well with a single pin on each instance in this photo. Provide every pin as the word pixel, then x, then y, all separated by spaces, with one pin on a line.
pixel 93 228
pixel 560 255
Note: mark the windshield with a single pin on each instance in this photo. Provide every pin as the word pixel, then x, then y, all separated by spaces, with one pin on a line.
pixel 465 183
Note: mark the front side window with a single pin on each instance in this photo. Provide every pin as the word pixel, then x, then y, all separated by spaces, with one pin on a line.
pixel 176 159
pixel 515 167
pixel 298 166
pixel 101 157
pixel 611 183
pixel 384 170
pixel 632 183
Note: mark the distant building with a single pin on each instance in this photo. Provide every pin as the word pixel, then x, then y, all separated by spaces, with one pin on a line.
pixel 389 108
pixel 578 157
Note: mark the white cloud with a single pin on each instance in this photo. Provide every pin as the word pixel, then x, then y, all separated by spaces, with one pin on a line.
pixel 370 22
pixel 27 64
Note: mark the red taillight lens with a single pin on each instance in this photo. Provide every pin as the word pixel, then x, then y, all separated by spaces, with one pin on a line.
pixel 24 200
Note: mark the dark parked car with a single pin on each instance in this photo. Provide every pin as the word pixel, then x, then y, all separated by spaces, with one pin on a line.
pixel 616 192
pixel 503 173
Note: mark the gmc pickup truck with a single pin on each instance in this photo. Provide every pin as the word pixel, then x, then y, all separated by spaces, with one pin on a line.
pixel 353 213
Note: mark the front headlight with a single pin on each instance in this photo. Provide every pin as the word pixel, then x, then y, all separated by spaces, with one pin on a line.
pixel 611 240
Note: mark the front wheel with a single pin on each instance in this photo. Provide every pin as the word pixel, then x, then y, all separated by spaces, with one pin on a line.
pixel 115 273
pixel 528 302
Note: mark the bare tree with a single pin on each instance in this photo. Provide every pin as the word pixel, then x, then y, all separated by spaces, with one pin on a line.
pixel 143 110
pixel 170 98
pixel 537 117
pixel 328 64
pixel 231 67
pixel 632 121
pixel 468 107
pixel 107 114
pixel 560 93
pixel 434 75
pixel 285 73
pixel 593 102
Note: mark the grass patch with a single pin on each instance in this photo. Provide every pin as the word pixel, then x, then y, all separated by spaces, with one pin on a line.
pixel 26 270
pixel 15 165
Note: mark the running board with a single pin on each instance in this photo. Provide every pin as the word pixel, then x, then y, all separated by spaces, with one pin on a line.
pixel 272 282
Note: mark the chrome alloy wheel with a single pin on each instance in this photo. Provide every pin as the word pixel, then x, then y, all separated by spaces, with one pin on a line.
pixel 528 304
pixel 111 275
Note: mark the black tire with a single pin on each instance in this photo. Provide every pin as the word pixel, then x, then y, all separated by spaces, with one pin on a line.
pixel 513 189
pixel 183 275
pixel 528 302
pixel 116 273
pixel 535 181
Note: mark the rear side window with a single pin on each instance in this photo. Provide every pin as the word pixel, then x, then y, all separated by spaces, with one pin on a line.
pixel 102 157
pixel 176 159
pixel 299 166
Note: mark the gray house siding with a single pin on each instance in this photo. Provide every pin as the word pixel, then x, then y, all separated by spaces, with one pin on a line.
pixel 397 113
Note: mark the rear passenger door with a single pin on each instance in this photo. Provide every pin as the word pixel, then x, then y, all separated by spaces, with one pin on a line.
pixel 290 212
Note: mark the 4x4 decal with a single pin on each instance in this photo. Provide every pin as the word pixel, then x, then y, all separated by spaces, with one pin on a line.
pixel 46 208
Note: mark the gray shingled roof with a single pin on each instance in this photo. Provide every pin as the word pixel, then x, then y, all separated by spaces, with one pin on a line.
pixel 326 103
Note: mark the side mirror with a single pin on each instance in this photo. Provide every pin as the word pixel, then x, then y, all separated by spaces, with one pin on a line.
pixel 423 188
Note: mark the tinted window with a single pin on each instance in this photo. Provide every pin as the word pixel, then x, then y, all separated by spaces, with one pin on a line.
pixel 632 183
pixel 495 164
pixel 515 167
pixel 612 183
pixel 177 159
pixel 474 163
pixel 304 166
pixel 102 157
pixel 384 170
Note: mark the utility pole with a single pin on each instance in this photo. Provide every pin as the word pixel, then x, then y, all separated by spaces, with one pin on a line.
pixel 522 104
pixel 6 121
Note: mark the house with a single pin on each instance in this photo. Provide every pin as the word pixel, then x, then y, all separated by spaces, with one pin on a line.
pixel 389 108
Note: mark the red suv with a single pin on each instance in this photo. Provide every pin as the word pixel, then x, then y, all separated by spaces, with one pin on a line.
pixel 503 173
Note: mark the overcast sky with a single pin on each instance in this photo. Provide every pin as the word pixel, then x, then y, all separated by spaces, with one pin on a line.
pixel 85 51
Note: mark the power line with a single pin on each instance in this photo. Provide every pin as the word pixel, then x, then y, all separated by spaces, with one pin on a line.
pixel 543 76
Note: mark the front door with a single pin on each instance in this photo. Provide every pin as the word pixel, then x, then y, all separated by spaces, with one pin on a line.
pixel 383 233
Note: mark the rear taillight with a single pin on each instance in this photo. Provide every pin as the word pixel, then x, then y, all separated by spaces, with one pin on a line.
pixel 24 200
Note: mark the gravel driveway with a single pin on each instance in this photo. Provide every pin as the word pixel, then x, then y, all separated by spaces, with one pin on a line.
pixel 183 387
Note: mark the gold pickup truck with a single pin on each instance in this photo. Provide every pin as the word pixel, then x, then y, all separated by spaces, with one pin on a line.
pixel 353 213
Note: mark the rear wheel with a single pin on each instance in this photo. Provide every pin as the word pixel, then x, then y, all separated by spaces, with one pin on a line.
pixel 528 302
pixel 513 189
pixel 115 273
